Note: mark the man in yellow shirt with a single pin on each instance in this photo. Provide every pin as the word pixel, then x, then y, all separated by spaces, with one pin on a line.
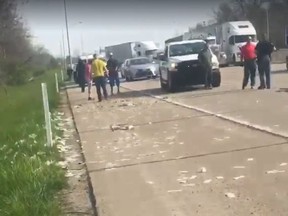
pixel 99 71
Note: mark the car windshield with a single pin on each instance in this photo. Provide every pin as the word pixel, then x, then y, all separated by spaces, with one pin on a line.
pixel 244 38
pixel 186 49
pixel 139 61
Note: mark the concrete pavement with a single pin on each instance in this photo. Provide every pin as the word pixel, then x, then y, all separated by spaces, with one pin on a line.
pixel 153 169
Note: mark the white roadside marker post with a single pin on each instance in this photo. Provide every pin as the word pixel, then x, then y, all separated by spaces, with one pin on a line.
pixel 56 82
pixel 62 75
pixel 47 115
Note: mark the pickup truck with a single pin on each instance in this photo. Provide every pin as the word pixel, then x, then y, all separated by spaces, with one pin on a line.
pixel 180 65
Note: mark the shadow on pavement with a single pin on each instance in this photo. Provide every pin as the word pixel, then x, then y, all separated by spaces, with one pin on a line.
pixel 282 90
pixel 280 72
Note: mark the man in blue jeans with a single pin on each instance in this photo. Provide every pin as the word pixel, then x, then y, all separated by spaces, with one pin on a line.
pixel 99 71
pixel 264 50
pixel 112 66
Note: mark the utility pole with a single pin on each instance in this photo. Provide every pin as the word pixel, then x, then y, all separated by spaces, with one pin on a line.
pixel 67 31
pixel 64 53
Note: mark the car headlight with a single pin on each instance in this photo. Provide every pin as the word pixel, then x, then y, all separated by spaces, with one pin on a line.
pixel 173 65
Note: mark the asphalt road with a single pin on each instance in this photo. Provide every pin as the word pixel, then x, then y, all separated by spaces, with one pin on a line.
pixel 195 152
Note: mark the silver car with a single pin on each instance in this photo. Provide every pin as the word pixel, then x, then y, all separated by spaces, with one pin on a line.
pixel 139 68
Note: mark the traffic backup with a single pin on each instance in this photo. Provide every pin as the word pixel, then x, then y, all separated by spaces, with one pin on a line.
pixel 180 65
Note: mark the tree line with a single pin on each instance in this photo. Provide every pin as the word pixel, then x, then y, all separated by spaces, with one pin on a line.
pixel 19 58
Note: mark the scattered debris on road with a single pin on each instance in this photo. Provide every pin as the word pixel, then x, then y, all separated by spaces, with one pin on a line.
pixel 250 159
pixel 121 127
pixel 230 195
pixel 207 181
pixel 283 164
pixel 219 177
pixel 202 170
pixel 193 177
pixel 275 171
pixel 174 191
pixel 239 177
pixel 183 172
pixel 150 182
pixel 239 167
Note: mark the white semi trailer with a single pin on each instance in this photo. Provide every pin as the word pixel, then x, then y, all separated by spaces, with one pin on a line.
pixel 128 50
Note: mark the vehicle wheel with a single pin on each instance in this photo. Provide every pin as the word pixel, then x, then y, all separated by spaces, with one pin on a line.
pixel 171 83
pixel 163 85
pixel 216 79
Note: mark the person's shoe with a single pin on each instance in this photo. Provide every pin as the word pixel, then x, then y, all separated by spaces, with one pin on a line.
pixel 252 87
pixel 243 87
pixel 90 98
pixel 261 87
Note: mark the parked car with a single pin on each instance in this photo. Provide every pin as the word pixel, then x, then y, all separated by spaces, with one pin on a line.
pixel 180 65
pixel 139 68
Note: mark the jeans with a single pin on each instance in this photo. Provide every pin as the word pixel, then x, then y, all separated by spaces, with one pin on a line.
pixel 264 67
pixel 249 71
pixel 113 80
pixel 100 82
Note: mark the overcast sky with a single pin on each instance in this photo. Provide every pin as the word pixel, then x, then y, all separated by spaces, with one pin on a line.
pixel 111 22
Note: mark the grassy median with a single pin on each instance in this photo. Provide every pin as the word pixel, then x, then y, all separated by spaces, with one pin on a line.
pixel 29 181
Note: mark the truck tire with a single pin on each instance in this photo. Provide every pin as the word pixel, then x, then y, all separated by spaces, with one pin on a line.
pixel 216 79
pixel 171 87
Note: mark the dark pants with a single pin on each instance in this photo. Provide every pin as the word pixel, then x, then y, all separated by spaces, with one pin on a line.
pixel 100 82
pixel 264 67
pixel 82 83
pixel 249 71
pixel 114 80
pixel 208 76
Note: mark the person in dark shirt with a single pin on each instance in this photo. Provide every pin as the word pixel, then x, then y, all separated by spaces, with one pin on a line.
pixel 112 66
pixel 81 74
pixel 205 59
pixel 264 50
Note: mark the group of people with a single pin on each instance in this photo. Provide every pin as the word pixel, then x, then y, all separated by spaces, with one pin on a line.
pixel 97 71
pixel 253 55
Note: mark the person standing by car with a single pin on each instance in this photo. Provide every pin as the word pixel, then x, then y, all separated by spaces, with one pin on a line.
pixel 264 50
pixel 249 56
pixel 80 69
pixel 112 66
pixel 205 59
pixel 99 70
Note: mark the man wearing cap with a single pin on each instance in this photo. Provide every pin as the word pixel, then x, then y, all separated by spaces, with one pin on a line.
pixel 264 50
pixel 99 70
pixel 112 66
pixel 249 56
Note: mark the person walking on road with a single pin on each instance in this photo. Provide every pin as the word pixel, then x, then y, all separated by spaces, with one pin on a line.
pixel 80 69
pixel 249 56
pixel 112 66
pixel 205 59
pixel 88 77
pixel 99 70
pixel 264 50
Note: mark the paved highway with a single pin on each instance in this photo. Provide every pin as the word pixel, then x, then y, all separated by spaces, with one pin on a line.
pixel 194 152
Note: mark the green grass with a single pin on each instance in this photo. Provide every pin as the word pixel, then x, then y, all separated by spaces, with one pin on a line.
pixel 29 184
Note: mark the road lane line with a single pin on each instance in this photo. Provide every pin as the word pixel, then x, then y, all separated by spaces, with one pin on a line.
pixel 220 116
